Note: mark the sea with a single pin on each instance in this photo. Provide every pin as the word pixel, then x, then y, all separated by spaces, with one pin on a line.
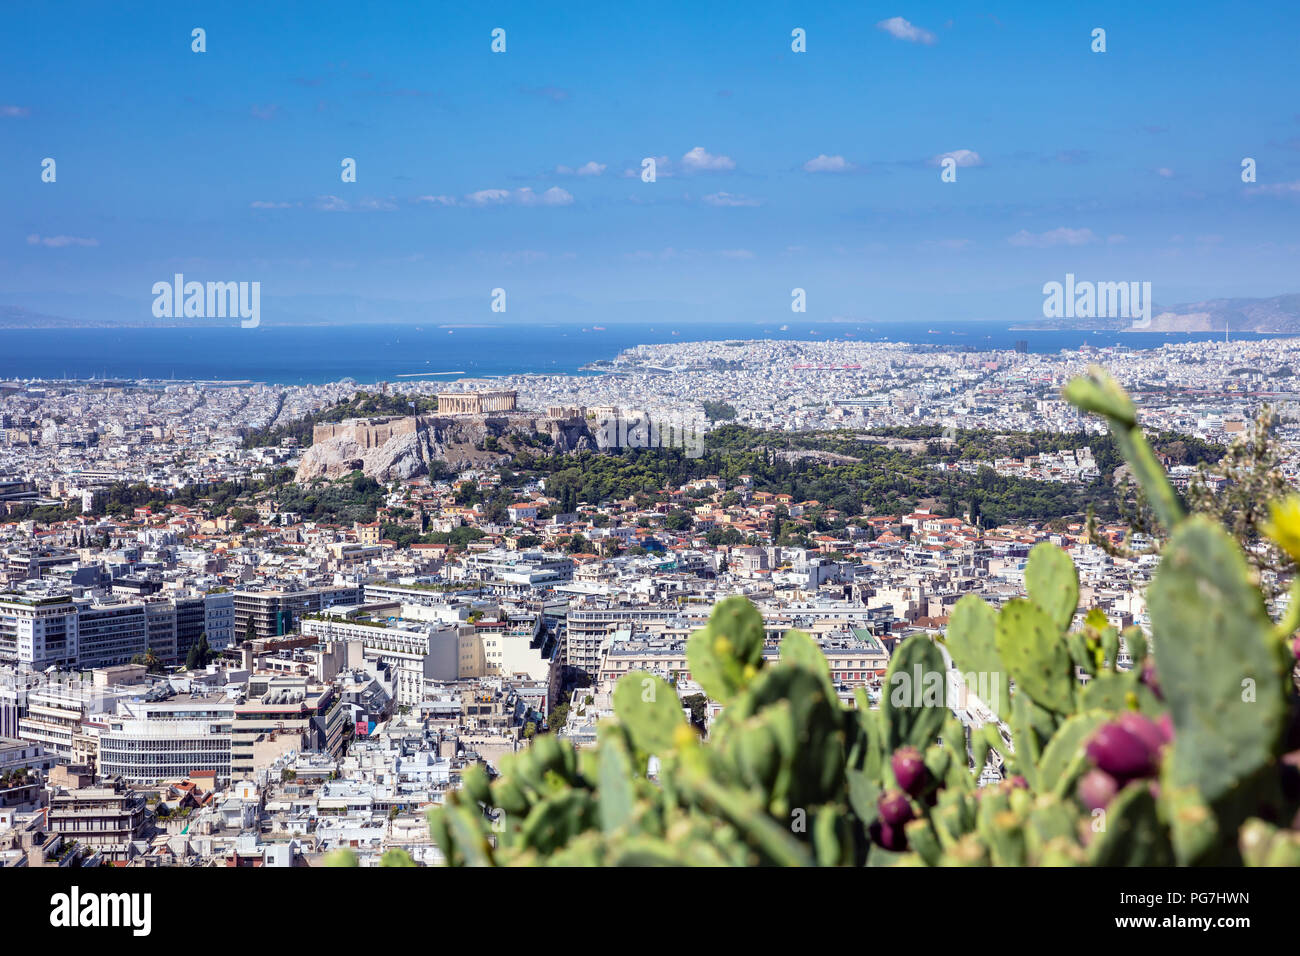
pixel 303 354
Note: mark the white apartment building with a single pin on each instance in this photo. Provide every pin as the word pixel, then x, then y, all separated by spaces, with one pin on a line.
pixel 151 741
pixel 413 652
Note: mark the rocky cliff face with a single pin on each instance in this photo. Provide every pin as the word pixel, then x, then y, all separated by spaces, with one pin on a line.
pixel 386 452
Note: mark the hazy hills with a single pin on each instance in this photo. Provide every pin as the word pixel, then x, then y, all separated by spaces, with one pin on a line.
pixel 1281 313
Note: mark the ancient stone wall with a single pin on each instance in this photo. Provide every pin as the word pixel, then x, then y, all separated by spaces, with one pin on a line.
pixel 366 432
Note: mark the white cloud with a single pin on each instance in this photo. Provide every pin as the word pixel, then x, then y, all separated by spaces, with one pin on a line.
pixel 592 168
pixel 963 157
pixel 1053 237
pixel 369 204
pixel 437 200
pixel 736 254
pixel 59 242
pixel 699 160
pixel 488 197
pixel 1164 172
pixel 268 204
pixel 828 164
pixel 14 112
pixel 555 196
pixel 1276 189
pixel 728 199
pixel 900 28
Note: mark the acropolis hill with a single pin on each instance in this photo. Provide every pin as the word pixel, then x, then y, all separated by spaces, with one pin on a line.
pixel 402 447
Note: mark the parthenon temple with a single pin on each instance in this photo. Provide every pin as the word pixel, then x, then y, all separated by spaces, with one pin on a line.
pixel 474 403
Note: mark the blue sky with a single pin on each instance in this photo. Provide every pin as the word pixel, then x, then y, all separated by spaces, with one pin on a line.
pixel 478 170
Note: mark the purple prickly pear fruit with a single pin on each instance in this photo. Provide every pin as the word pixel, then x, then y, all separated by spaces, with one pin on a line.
pixel 1097 788
pixel 894 809
pixel 1295 647
pixel 1166 725
pixel 909 770
pixel 1018 783
pixel 1150 679
pixel 890 837
pixel 1120 753
pixel 1143 728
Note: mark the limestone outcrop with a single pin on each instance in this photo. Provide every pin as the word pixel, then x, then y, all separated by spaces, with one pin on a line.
pixel 397 448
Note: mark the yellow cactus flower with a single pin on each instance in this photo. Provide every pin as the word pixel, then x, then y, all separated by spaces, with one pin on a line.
pixel 1283 525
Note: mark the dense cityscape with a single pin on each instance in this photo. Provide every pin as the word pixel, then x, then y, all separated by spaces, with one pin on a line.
pixel 251 624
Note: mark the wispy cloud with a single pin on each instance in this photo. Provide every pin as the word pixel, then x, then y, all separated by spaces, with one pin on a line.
pixel 268 112
pixel 903 30
pixel 963 157
pixel 339 204
pixel 59 242
pixel 1164 172
pixel 14 112
pixel 1053 237
pixel 555 196
pixel 700 160
pixel 592 168
pixel 728 199
pixel 828 164
pixel 1291 189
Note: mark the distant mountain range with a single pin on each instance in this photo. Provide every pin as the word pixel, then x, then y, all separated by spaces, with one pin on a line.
pixel 1281 313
